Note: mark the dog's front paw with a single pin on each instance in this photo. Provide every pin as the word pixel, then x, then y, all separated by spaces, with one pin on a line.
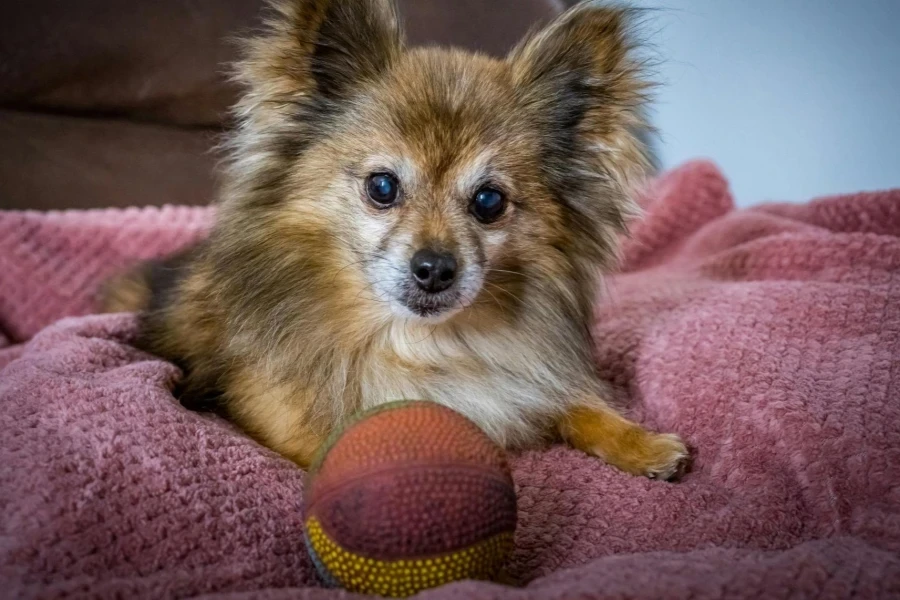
pixel 655 455
pixel 665 457
pixel 626 445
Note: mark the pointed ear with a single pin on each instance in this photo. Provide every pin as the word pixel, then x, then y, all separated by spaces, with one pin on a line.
pixel 581 80
pixel 322 48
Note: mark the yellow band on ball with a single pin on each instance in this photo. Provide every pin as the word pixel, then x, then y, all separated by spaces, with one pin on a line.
pixel 403 578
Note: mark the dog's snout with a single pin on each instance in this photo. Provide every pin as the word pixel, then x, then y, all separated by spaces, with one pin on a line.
pixel 433 271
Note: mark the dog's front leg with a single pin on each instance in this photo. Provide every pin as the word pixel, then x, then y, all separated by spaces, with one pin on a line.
pixel 599 430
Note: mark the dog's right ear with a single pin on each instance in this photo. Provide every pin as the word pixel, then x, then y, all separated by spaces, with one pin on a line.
pixel 321 48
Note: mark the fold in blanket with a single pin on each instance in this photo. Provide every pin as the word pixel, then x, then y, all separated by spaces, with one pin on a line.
pixel 769 338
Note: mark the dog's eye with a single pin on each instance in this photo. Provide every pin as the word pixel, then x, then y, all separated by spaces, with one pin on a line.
pixel 382 189
pixel 488 205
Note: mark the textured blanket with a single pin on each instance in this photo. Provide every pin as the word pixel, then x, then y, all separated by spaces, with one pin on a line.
pixel 769 338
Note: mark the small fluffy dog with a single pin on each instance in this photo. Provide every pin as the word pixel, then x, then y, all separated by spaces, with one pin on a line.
pixel 412 223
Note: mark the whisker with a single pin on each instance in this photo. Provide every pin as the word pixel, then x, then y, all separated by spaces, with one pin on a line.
pixel 497 300
pixel 493 270
pixel 427 337
pixel 504 290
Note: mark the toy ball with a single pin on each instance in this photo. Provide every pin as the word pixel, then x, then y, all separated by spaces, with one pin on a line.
pixel 409 496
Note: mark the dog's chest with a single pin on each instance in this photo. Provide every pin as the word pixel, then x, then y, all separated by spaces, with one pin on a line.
pixel 480 378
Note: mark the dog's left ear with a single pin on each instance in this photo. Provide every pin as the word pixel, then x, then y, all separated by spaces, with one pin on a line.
pixel 321 49
pixel 583 86
pixel 355 41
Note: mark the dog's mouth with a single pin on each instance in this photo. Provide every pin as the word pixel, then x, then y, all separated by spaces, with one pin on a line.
pixel 430 306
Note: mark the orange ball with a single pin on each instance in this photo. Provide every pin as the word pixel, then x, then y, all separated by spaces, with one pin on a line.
pixel 409 496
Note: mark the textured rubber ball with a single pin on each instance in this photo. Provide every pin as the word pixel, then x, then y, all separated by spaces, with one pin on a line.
pixel 409 496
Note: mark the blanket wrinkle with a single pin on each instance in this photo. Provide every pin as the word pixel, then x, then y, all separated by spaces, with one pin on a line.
pixel 769 338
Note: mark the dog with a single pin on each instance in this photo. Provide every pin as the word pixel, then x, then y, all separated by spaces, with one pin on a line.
pixel 412 223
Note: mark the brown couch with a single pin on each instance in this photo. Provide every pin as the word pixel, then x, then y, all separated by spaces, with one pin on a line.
pixel 116 103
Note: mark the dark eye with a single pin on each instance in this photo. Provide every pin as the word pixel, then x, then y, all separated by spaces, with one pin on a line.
pixel 382 189
pixel 488 205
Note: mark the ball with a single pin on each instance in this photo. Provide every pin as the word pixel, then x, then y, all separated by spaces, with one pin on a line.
pixel 409 496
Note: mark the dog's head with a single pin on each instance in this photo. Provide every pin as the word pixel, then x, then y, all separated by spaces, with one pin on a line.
pixel 431 182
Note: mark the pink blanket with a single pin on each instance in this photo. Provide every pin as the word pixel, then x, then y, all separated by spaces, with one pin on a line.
pixel 769 338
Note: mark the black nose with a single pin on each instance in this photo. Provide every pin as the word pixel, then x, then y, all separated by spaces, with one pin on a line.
pixel 433 271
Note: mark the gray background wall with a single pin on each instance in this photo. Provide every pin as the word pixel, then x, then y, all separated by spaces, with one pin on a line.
pixel 792 98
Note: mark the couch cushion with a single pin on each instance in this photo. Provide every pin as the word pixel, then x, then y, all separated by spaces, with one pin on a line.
pixel 50 161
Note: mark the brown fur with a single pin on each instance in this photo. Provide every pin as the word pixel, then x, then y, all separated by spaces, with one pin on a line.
pixel 284 318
